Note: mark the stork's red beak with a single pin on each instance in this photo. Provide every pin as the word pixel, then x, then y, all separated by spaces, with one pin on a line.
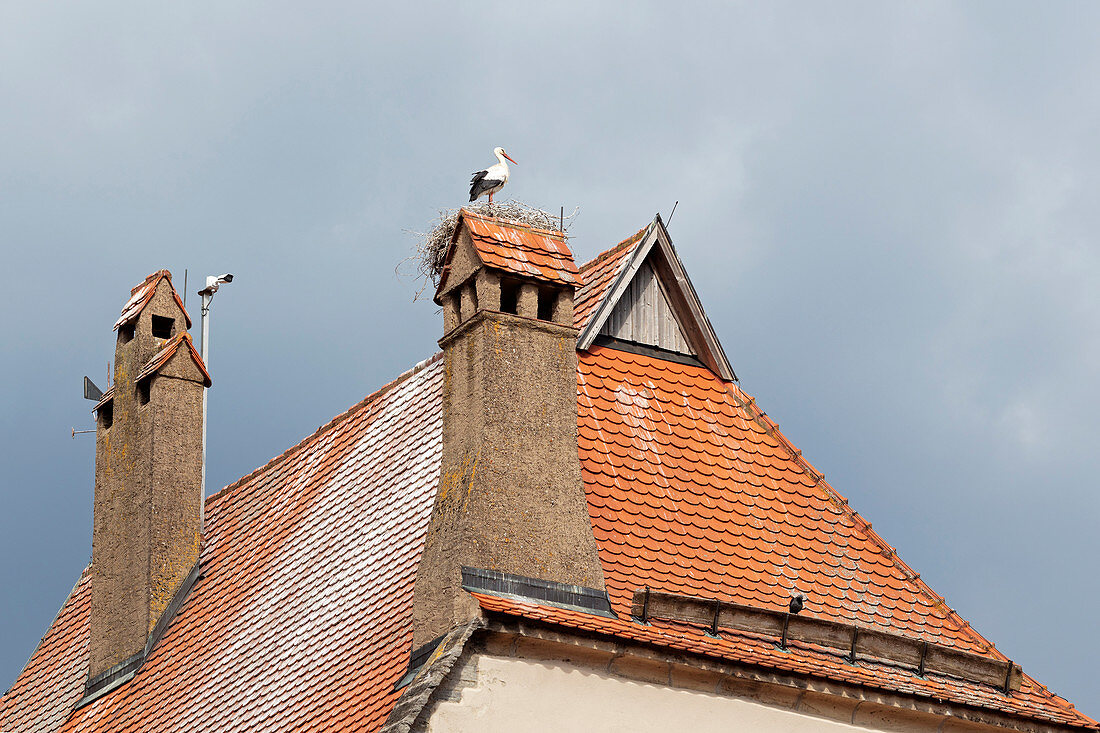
pixel 509 157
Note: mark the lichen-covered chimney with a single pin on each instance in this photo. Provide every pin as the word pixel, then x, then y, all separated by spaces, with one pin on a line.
pixel 510 494
pixel 147 525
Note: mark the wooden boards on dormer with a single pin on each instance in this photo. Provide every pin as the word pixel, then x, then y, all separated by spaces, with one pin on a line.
pixel 652 303
pixel 643 315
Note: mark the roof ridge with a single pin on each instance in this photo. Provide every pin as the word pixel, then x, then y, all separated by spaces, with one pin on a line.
pixel 150 277
pixel 557 233
pixel 841 503
pixel 281 458
pixel 610 251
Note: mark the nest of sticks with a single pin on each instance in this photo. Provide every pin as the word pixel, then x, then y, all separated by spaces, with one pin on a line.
pixel 431 246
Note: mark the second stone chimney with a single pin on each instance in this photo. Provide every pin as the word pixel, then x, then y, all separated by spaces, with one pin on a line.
pixel 510 496
pixel 147 525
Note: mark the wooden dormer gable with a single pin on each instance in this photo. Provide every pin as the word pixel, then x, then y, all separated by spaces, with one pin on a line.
pixel 652 304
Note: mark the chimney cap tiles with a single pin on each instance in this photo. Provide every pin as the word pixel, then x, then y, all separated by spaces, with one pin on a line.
pixel 141 294
pixel 162 357
pixel 515 248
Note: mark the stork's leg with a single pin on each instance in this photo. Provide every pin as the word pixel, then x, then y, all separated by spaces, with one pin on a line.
pixel 490 198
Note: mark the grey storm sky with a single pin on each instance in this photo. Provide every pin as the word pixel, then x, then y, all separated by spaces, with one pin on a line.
pixel 890 212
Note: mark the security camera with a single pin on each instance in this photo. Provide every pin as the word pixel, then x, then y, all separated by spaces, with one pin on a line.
pixel 212 284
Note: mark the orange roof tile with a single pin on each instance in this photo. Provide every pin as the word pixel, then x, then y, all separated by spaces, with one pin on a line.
pixel 539 254
pixel 599 274
pixel 45 692
pixel 310 560
pixel 691 490
pixel 141 294
pixel 159 359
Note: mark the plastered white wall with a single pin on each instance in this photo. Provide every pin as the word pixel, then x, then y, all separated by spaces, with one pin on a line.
pixel 519 695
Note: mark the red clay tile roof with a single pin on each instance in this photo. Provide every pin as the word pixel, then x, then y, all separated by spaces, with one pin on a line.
pixel 159 359
pixel 143 293
pixel 693 491
pixel 599 274
pixel 53 681
pixel 539 254
pixel 301 619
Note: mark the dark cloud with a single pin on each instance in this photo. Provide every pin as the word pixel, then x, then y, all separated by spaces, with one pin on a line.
pixel 888 210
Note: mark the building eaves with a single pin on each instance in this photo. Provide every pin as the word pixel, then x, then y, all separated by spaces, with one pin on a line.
pixel 412 706
pixel 1031 703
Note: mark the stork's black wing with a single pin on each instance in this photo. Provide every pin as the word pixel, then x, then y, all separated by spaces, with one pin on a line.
pixel 476 186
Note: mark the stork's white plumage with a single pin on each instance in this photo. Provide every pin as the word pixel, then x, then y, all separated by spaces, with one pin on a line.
pixel 492 179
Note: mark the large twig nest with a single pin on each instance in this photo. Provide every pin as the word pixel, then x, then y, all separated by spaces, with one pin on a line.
pixel 431 246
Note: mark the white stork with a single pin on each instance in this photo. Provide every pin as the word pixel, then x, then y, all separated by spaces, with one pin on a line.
pixel 492 179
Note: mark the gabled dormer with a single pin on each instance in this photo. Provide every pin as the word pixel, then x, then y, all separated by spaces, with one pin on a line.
pixel 651 306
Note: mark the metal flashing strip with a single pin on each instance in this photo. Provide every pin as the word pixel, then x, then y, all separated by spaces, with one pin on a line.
pixel 103 683
pixel 645 350
pixel 417 660
pixel 542 592
pixel 121 673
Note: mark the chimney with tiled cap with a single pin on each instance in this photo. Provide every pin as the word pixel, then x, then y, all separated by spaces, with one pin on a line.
pixel 510 496
pixel 147 526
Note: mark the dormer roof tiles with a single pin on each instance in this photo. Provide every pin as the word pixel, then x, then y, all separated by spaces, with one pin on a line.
pixel 599 274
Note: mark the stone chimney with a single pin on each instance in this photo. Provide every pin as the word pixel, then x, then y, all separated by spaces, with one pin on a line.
pixel 147 527
pixel 510 494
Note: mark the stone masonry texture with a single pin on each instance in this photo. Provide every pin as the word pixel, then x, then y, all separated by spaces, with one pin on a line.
pixel 147 511
pixel 510 495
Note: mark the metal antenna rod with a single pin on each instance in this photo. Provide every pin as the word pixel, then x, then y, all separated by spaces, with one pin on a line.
pixel 673 213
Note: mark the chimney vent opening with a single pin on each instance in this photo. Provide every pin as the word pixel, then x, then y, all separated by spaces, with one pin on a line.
pixel 143 391
pixel 126 333
pixel 106 415
pixel 547 298
pixel 162 327
pixel 509 296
